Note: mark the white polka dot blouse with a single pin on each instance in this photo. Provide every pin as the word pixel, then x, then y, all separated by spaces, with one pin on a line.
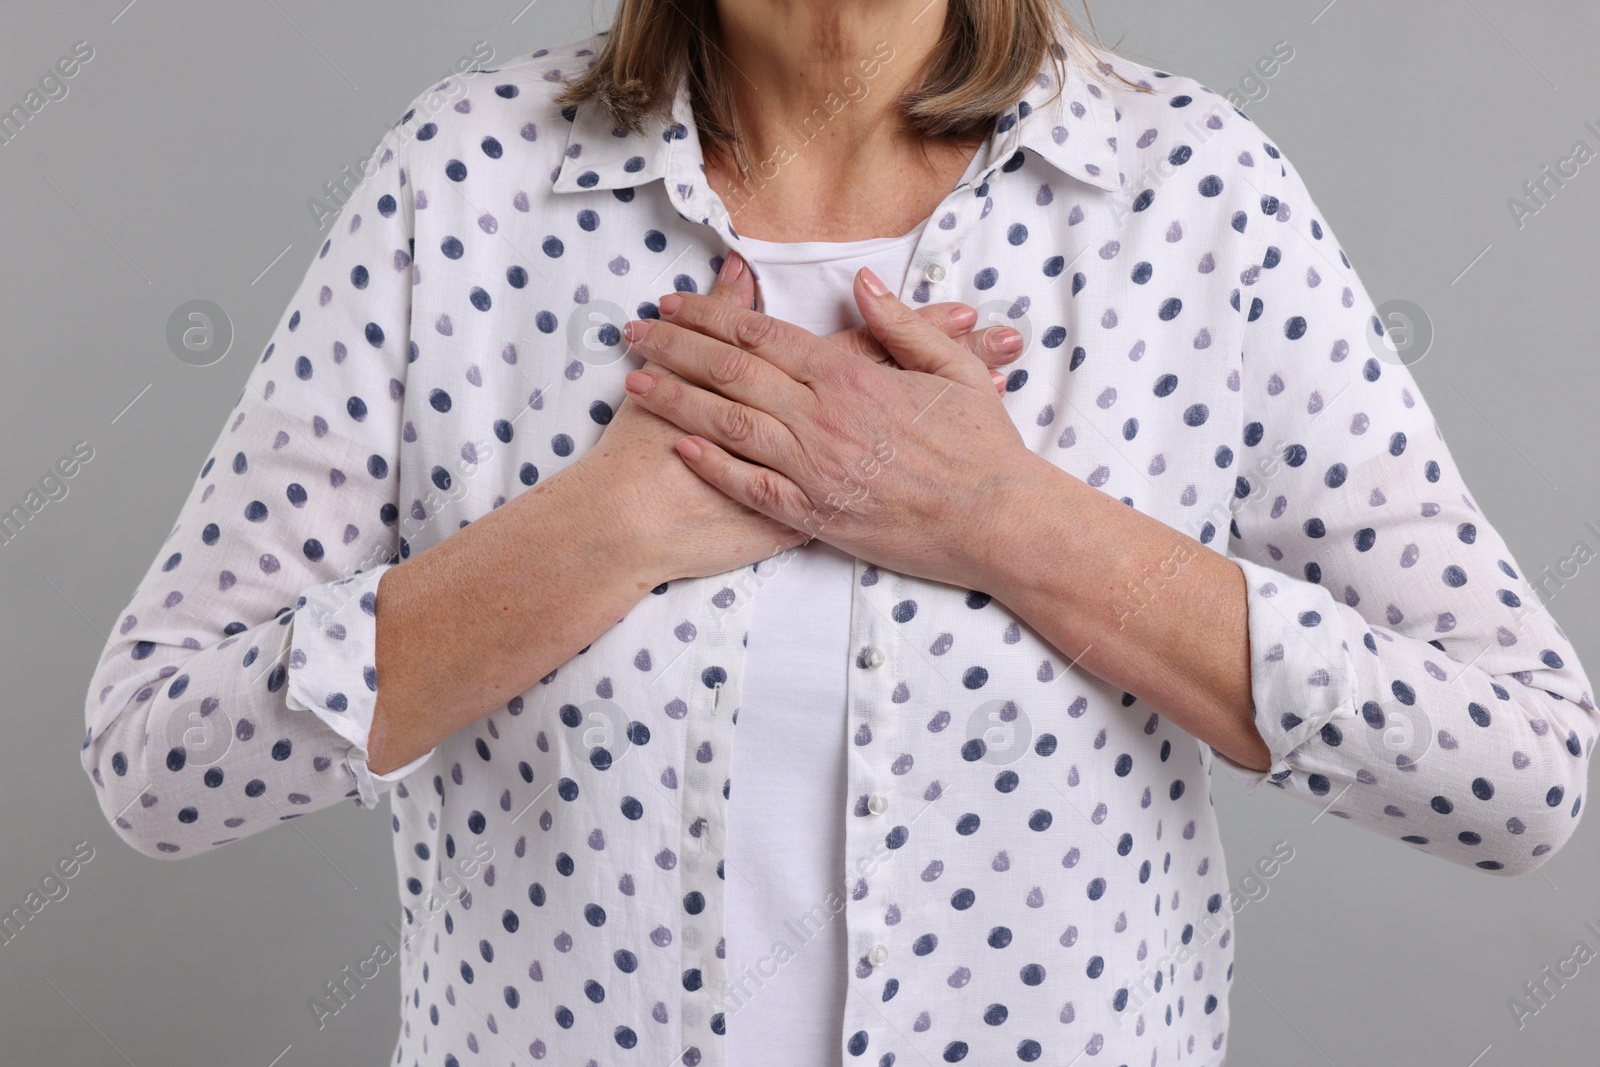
pixel 1033 867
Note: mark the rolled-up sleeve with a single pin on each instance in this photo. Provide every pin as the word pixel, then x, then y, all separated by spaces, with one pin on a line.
pixel 238 687
pixel 1405 674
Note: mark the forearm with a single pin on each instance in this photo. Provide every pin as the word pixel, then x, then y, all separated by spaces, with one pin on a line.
pixel 484 614
pixel 1130 600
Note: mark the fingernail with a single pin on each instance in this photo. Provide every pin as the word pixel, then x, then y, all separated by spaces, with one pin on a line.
pixel 874 286
pixel 1002 339
pixel 635 329
pixel 689 447
pixel 996 377
pixel 963 317
pixel 638 382
pixel 732 267
pixel 670 303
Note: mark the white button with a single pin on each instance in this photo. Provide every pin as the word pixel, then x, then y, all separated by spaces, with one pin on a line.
pixel 878 955
pixel 875 657
pixel 877 803
pixel 934 273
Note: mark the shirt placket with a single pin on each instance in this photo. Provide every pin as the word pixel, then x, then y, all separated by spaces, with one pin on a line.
pixel 876 813
pixel 881 815
pixel 709 726
pixel 715 667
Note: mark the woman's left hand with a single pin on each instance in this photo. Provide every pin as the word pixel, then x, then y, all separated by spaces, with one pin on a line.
pixel 904 466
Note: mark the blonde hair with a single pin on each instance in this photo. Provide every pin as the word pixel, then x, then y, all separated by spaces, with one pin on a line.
pixel 985 61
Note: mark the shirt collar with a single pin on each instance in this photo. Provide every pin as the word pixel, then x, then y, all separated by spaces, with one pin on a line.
pixel 602 155
pixel 1075 132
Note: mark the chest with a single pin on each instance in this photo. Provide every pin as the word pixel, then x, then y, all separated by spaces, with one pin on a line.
pixel 1129 378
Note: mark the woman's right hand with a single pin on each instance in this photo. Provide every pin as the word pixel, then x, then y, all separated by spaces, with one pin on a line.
pixel 687 528
pixel 479 617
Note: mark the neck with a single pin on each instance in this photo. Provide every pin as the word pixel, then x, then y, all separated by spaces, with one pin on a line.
pixel 814 84
pixel 791 62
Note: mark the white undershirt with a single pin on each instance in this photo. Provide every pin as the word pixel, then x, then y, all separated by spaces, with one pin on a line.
pixel 787 807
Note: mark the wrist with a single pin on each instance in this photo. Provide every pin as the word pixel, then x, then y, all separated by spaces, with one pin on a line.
pixel 619 519
pixel 1024 514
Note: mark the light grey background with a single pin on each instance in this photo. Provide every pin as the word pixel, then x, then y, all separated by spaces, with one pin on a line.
pixel 178 167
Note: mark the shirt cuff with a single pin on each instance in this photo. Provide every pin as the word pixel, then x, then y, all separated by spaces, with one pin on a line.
pixel 333 672
pixel 1301 674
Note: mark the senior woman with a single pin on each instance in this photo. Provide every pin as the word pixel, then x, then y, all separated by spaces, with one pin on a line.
pixel 627 489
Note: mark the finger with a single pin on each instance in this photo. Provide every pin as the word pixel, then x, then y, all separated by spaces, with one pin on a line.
pixel 996 345
pixel 736 282
pixel 750 432
pixel 952 318
pixel 758 488
pixel 911 339
pixel 708 362
pixel 797 352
